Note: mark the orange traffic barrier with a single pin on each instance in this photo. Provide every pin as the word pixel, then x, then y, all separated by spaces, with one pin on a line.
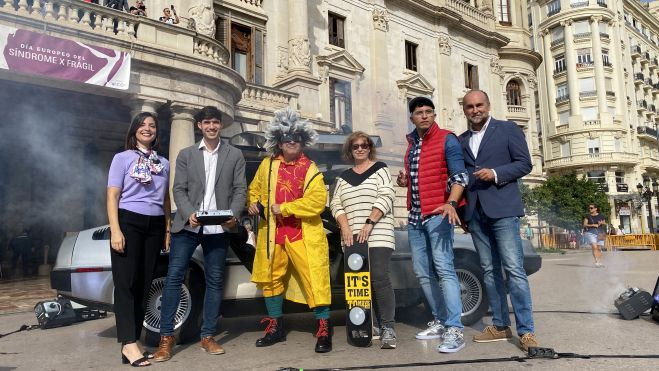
pixel 628 241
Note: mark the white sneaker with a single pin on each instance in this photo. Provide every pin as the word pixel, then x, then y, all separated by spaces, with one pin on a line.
pixel 435 330
pixel 452 341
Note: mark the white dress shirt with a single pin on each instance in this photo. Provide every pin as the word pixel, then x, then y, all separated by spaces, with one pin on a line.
pixel 209 202
pixel 475 142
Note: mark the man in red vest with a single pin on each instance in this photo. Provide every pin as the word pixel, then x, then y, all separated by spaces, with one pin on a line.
pixel 435 177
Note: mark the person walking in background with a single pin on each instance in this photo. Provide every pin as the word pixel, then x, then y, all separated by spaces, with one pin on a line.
pixel 363 204
pixel 497 156
pixel 210 175
pixel 528 232
pixel 620 231
pixel 22 248
pixel 139 212
pixel 595 232
pixel 435 177
pixel 292 255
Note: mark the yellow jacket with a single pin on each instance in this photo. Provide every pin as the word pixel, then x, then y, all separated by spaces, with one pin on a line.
pixel 308 209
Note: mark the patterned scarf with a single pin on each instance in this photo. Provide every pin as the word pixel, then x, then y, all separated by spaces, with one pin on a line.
pixel 147 164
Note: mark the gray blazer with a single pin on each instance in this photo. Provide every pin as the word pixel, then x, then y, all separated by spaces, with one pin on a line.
pixel 190 178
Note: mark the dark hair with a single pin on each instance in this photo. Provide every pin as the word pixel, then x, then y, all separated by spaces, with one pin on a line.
pixel 420 102
pixel 208 112
pixel 131 141
pixel 487 97
pixel 346 151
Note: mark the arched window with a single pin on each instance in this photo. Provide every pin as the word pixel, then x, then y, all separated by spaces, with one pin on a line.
pixel 513 93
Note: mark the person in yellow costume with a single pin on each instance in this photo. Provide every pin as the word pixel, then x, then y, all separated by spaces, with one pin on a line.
pixel 292 255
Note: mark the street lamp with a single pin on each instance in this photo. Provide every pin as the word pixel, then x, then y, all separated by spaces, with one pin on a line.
pixel 646 195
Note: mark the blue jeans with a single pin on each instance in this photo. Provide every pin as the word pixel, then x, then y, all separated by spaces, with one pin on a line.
pixel 432 256
pixel 499 245
pixel 183 245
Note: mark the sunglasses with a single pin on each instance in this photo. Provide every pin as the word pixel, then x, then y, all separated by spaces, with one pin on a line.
pixel 592 207
pixel 361 145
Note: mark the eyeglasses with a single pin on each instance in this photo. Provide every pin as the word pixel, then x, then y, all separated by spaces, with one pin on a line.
pixel 360 145
pixel 427 112
pixel 592 207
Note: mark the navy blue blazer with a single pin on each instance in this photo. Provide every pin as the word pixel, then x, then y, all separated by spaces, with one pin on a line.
pixel 503 149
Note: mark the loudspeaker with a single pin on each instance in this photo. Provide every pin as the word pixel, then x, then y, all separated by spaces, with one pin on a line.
pixel 655 302
pixel 633 302
pixel 54 313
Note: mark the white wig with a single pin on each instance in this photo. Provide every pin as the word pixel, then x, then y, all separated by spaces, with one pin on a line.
pixel 287 123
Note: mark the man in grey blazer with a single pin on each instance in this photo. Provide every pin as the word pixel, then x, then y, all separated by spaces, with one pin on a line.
pixel 496 157
pixel 210 175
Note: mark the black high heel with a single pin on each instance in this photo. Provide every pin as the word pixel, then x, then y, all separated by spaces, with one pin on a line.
pixel 137 362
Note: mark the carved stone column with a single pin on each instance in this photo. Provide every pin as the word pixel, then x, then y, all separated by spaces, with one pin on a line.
pixel 138 105
pixel 599 64
pixel 571 61
pixel 181 136
pixel 444 90
pixel 382 101
pixel 616 52
pixel 299 53
pixel 549 73
pixel 202 16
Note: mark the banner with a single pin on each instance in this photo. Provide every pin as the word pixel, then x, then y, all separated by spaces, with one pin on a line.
pixel 38 54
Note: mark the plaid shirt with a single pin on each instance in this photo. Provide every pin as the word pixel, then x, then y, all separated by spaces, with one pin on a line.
pixel 456 169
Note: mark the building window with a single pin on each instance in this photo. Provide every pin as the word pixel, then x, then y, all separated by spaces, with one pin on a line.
pixel 589 114
pixel 605 57
pixel 471 76
pixel 340 103
pixel 559 64
pixel 598 177
pixel 581 28
pixel 620 177
pixel 563 117
pixel 584 57
pixel 553 7
pixel 503 12
pixel 513 93
pixel 247 52
pixel 587 87
pixel 530 14
pixel 593 145
pixel 617 145
pixel 410 56
pixel 557 34
pixel 565 149
pixel 561 92
pixel 336 30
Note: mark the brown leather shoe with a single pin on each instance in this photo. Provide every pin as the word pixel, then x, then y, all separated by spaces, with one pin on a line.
pixel 165 347
pixel 211 346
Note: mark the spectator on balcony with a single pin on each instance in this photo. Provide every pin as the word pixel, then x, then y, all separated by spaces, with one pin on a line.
pixel 138 9
pixel 620 231
pixel 117 4
pixel 167 16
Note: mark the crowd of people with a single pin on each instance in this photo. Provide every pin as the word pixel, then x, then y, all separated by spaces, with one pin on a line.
pixel 477 171
pixel 168 14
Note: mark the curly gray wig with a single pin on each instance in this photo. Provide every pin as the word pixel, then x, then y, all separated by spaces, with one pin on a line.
pixel 287 125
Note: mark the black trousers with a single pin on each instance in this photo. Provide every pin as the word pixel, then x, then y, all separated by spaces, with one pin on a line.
pixel 132 270
pixel 384 299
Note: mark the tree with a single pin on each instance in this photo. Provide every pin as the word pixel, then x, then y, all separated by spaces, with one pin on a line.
pixel 563 200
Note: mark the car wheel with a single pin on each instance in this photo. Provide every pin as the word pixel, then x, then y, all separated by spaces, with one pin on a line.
pixel 184 313
pixel 472 292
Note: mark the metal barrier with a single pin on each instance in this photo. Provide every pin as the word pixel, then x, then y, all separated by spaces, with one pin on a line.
pixel 628 241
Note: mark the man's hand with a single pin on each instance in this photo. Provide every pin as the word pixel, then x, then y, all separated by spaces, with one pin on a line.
pixel 168 241
pixel 193 220
pixel 447 211
pixel 229 224
pixel 253 209
pixel 485 175
pixel 402 179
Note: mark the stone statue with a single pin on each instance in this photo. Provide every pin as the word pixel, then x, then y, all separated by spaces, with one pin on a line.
pixel 204 18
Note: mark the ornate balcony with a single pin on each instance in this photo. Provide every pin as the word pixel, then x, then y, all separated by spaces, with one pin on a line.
pixel 636 51
pixel 602 3
pixel 587 94
pixel 562 98
pixel 641 105
pixel 638 78
pixel 647 132
pixel 579 4
pixel 593 159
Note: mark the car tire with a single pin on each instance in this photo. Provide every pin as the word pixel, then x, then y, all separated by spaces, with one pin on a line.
pixel 188 312
pixel 472 291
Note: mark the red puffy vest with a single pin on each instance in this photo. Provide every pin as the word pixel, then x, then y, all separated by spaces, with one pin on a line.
pixel 433 170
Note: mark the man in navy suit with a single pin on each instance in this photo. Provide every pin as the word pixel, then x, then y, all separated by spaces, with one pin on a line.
pixel 496 156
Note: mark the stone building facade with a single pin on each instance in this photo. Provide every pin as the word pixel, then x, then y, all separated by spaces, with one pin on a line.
pixel 344 64
pixel 598 97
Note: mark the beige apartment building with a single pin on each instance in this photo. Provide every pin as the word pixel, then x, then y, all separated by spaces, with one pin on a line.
pixel 598 97
pixel 344 64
